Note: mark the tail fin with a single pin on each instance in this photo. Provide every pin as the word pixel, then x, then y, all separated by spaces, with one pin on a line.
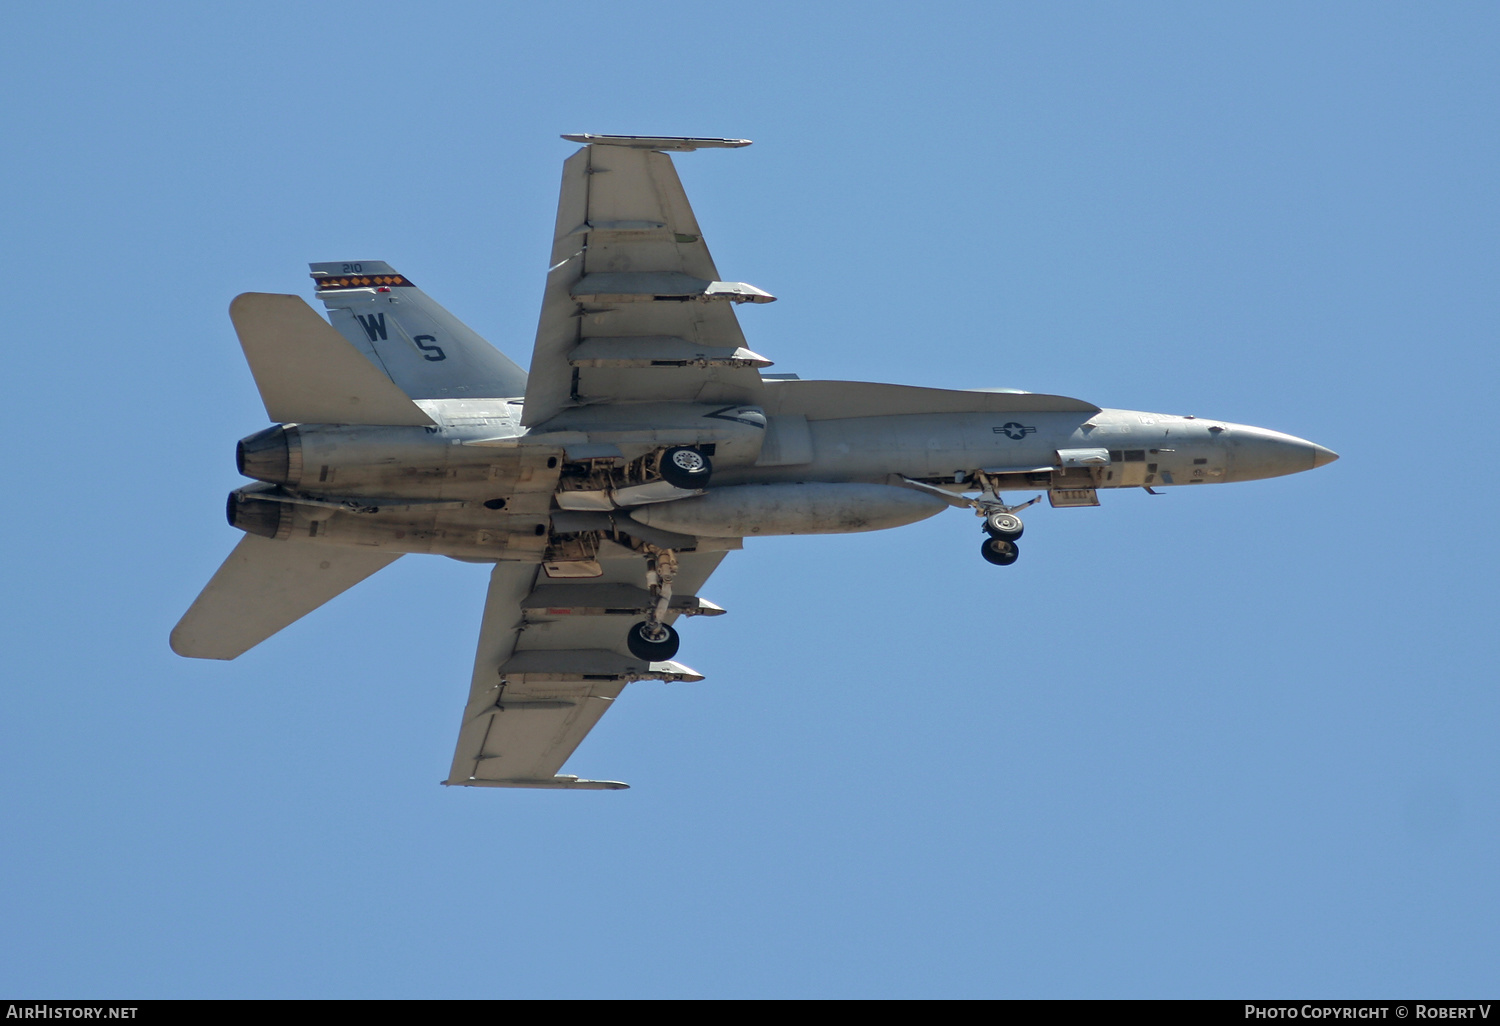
pixel 425 349
pixel 264 586
pixel 307 373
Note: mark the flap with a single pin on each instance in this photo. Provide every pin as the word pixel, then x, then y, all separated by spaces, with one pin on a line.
pixel 544 674
pixel 660 351
pixel 650 286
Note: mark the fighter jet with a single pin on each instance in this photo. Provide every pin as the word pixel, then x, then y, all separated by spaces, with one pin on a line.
pixel 603 488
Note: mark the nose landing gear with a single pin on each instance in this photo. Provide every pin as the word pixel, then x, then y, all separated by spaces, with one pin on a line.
pixel 999 551
pixel 1002 527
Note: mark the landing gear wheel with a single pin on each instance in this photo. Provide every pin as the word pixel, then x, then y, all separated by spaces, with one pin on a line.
pixel 1004 525
pixel 682 467
pixel 1000 551
pixel 652 644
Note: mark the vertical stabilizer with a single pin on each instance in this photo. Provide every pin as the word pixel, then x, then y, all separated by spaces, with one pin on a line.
pixel 427 351
pixel 307 373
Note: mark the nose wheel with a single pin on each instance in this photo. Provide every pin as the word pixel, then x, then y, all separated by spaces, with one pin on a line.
pixel 1003 525
pixel 1000 547
pixel 999 551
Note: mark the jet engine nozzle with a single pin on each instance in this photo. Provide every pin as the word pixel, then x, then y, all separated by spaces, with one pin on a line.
pixel 273 455
pixel 253 515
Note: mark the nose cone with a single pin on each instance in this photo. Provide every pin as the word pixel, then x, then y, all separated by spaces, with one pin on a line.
pixel 1322 456
pixel 1257 453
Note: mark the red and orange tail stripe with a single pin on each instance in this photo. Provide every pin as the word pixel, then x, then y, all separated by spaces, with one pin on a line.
pixel 327 282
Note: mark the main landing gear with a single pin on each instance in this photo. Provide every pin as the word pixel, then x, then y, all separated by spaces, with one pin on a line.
pixel 652 642
pixel 651 639
pixel 683 467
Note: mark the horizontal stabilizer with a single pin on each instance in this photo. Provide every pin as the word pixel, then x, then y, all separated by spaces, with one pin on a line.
pixel 308 373
pixel 266 585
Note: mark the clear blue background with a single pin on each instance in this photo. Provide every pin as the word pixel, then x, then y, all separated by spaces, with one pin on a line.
pixel 1229 742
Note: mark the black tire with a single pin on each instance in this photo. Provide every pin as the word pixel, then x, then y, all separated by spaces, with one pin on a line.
pixel 1004 525
pixel 652 651
pixel 1000 551
pixel 683 467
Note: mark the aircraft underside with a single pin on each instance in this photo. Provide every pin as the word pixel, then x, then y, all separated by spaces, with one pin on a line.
pixel 605 485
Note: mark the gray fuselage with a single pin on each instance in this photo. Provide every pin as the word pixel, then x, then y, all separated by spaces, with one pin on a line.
pixel 479 486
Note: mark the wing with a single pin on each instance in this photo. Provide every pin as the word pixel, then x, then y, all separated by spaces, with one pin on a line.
pixel 633 308
pixel 266 585
pixel 551 661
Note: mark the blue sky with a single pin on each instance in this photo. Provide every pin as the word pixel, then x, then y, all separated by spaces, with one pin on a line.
pixel 1229 742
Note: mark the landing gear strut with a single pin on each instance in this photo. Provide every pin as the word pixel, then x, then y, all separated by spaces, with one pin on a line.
pixel 651 639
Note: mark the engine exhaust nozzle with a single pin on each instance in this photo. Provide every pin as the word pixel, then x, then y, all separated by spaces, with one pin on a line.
pixel 273 455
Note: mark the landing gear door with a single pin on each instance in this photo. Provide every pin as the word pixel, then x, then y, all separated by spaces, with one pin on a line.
pixel 1078 472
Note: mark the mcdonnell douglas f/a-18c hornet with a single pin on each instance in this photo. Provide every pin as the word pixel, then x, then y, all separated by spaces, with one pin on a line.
pixel 606 485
